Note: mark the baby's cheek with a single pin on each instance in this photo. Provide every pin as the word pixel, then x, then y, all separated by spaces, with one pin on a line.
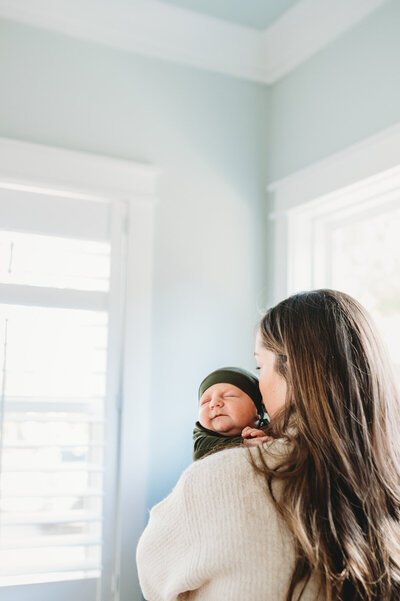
pixel 203 419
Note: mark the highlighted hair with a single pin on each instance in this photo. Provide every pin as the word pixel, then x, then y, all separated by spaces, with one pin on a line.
pixel 341 479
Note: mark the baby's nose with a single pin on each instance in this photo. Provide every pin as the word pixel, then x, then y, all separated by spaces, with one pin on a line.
pixel 215 402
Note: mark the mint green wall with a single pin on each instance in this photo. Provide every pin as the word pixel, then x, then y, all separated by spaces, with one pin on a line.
pixel 218 141
pixel 257 13
pixel 345 93
pixel 205 132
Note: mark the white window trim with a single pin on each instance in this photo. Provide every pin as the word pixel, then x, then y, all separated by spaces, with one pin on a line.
pixel 361 177
pixel 131 187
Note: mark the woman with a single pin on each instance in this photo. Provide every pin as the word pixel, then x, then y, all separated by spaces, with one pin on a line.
pixel 314 514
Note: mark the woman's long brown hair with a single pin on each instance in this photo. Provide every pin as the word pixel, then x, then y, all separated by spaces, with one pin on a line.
pixel 340 481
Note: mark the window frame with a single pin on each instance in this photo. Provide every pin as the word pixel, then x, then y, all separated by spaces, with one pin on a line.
pixel 130 189
pixel 305 206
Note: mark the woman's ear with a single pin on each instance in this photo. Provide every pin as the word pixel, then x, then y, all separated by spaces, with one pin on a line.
pixel 264 420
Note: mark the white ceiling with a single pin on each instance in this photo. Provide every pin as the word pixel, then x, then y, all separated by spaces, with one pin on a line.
pixel 160 29
pixel 259 14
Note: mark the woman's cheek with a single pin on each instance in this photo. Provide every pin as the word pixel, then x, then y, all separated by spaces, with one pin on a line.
pixel 263 385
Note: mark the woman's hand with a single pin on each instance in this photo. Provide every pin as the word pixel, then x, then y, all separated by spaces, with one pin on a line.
pixel 253 437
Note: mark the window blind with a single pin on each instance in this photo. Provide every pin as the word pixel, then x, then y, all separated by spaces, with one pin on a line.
pixel 53 361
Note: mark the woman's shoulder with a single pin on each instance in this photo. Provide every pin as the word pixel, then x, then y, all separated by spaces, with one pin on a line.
pixel 234 458
pixel 235 462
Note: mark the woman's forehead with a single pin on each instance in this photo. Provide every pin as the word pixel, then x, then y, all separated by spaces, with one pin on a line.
pixel 260 344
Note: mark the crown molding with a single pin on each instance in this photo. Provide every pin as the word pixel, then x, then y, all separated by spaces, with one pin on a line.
pixel 306 29
pixel 362 161
pixel 167 32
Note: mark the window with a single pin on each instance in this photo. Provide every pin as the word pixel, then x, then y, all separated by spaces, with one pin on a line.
pixel 349 240
pixel 58 411
pixel 52 261
pixel 365 262
pixel 80 255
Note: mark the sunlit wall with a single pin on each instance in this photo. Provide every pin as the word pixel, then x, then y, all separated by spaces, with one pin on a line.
pixel 205 132
pixel 218 142
pixel 348 91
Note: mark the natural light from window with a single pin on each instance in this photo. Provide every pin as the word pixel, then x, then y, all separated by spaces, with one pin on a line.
pixel 366 264
pixel 53 364
pixel 36 260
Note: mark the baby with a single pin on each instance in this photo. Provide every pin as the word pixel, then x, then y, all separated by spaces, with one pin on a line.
pixel 231 411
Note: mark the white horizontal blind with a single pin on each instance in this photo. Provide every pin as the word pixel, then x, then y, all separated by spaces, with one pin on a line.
pixel 53 261
pixel 53 360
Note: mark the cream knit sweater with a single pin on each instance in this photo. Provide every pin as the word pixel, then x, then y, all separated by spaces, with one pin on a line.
pixel 218 537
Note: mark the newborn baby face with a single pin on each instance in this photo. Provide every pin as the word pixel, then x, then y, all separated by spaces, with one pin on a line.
pixel 226 409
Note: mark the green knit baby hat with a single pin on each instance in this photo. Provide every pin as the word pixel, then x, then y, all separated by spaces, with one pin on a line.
pixel 239 377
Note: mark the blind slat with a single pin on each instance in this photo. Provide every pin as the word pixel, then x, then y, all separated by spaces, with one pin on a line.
pixel 19 294
pixel 72 467
pixel 12 519
pixel 49 494
pixel 54 399
pixel 54 418
pixel 44 445
pixel 51 541
pixel 79 566
pixel 50 407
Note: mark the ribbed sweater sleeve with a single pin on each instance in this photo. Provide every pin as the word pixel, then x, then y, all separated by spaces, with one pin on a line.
pixel 216 537
pixel 178 551
pixel 165 551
